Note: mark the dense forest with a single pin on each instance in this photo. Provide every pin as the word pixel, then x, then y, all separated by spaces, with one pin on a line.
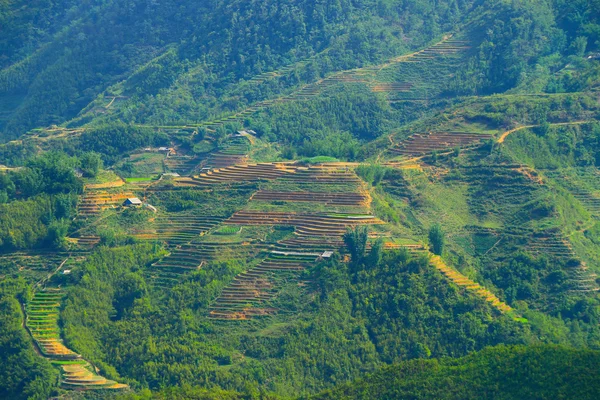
pixel 355 199
pixel 507 372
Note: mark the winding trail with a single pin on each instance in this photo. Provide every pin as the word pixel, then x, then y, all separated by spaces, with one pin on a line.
pixel 505 134
pixel 47 278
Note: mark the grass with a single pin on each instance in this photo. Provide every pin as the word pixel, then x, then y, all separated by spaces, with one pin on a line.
pixel 227 230
pixel 318 160
pixel 203 147
pixel 103 176
pixel 141 164
pixel 141 179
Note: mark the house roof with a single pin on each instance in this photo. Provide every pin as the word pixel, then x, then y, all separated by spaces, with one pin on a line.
pixel 133 200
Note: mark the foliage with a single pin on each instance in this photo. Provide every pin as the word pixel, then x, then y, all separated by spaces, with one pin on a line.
pixel 356 241
pixel 116 139
pixel 91 164
pixel 23 374
pixel 192 54
pixel 436 239
pixel 372 173
pixel 120 77
pixel 38 202
pixel 508 372
pixel 564 146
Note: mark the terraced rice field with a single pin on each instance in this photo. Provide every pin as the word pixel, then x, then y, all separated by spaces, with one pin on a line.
pixel 397 186
pixel 234 152
pixel 426 143
pixel 502 190
pixel 378 78
pixel 549 243
pixel 178 228
pixel 42 322
pixel 106 185
pixel 325 174
pixel 35 264
pixel 331 199
pixel 391 87
pixel 313 232
pixel 473 287
pixel 238 173
pixel 589 199
pixel 553 244
pixel 85 242
pixel 79 376
pixel 183 165
pixel 253 292
pixel 306 225
pixel 250 292
pixel 583 184
pixel 94 202
pixel 422 75
pixel 192 256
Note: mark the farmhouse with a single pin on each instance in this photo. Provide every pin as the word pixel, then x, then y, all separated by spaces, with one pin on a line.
pixel 132 202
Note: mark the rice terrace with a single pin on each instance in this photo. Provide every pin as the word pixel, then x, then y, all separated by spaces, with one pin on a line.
pixel 367 199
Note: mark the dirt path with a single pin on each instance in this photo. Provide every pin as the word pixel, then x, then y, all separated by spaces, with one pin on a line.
pixel 43 280
pixel 505 134
pixel 110 104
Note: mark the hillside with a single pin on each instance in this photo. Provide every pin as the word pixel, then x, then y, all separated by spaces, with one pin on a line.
pixel 286 199
pixel 541 372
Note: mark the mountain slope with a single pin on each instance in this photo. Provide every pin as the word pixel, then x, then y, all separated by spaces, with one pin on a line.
pixel 540 372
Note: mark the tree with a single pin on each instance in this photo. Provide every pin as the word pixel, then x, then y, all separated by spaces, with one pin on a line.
pixel 57 231
pixel 436 239
pixel 376 253
pixel 356 241
pixel 91 163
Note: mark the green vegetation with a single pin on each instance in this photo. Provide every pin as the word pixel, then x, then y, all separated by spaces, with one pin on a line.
pixel 541 372
pixel 227 230
pixel 362 199
pixel 24 374
pixel 436 239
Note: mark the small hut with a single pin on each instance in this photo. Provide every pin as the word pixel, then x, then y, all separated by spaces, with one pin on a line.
pixel 132 202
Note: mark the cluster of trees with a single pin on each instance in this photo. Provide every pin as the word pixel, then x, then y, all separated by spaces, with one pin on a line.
pixel 348 325
pixel 525 42
pixel 336 125
pixel 38 201
pixel 372 173
pixel 383 307
pixel 548 147
pixel 224 41
pixel 96 146
pixel 508 372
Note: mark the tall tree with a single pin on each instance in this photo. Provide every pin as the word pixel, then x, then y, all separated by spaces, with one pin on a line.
pixel 356 241
pixel 436 239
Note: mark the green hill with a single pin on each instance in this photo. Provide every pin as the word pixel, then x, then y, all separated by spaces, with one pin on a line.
pixel 243 199
pixel 536 372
